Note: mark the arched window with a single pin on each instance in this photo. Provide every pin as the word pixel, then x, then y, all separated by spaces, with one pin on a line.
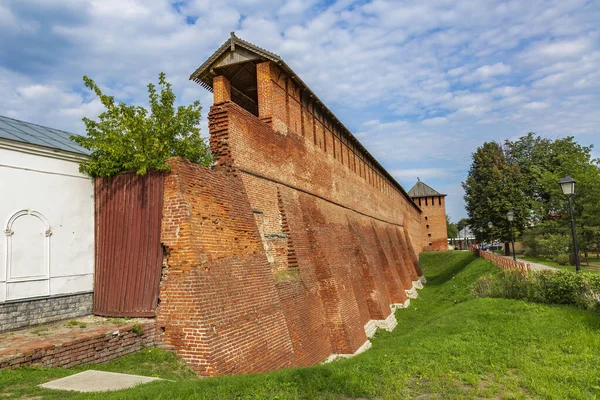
pixel 27 257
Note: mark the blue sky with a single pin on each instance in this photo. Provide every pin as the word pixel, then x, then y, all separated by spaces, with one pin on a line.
pixel 421 83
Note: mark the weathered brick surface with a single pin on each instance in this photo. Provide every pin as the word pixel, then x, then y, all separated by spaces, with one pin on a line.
pixel 20 314
pixel 433 223
pixel 280 254
pixel 218 303
pixel 92 347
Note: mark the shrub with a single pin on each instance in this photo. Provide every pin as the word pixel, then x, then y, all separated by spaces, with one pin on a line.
pixel 549 287
pixel 133 138
pixel 74 322
pixel 562 259
pixel 547 245
pixel 137 328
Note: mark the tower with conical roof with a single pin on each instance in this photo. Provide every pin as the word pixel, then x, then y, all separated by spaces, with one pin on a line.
pixel 433 219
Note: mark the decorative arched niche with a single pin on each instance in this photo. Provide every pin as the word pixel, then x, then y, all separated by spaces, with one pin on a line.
pixel 27 255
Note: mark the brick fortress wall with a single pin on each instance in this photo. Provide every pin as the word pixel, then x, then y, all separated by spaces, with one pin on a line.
pixel 293 248
pixel 433 221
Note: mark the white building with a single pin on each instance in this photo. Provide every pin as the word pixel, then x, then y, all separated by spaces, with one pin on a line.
pixel 47 217
pixel 465 238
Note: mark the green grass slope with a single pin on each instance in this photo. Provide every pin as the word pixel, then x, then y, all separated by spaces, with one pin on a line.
pixel 448 345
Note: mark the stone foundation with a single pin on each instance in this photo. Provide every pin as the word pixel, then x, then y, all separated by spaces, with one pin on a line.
pixel 30 312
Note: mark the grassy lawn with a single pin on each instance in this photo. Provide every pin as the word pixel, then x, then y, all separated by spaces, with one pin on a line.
pixel 447 345
pixel 584 268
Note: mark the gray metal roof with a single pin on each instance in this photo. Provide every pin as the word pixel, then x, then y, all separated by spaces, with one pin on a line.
pixel 422 190
pixel 26 132
pixel 466 232
pixel 204 76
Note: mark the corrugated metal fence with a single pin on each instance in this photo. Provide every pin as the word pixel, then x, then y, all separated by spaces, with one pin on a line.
pixel 128 248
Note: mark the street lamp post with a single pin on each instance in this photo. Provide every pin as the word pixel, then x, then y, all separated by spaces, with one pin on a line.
pixel 490 225
pixel 567 184
pixel 511 216
pixel 480 237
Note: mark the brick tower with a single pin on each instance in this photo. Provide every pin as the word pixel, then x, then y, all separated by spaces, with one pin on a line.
pixel 433 219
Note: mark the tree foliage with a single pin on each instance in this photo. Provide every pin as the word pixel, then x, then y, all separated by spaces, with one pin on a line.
pixel 132 138
pixel 462 223
pixel 451 228
pixel 523 175
pixel 494 187
pixel 546 161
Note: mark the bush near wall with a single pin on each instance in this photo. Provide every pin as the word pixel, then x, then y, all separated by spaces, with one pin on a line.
pixel 551 246
pixel 549 287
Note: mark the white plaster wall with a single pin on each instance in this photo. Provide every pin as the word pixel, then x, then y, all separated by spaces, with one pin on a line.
pixel 55 189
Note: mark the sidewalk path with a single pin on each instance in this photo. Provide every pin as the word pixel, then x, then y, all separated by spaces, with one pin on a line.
pixel 534 266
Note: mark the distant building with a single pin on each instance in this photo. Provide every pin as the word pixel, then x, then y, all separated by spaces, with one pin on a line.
pixel 433 220
pixel 47 217
pixel 466 237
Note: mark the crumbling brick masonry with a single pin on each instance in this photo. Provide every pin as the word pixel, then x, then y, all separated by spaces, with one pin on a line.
pixel 295 246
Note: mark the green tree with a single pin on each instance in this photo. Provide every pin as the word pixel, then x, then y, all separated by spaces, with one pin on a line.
pixel 451 228
pixel 494 186
pixel 462 223
pixel 131 138
pixel 523 175
pixel 530 152
pixel 567 157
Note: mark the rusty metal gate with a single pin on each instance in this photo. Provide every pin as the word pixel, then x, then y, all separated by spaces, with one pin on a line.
pixel 128 248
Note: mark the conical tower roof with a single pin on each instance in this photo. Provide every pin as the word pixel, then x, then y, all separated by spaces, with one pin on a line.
pixel 422 190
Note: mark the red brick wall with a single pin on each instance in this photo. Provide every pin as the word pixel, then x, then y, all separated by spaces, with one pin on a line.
pixel 281 253
pixel 219 308
pixel 433 223
pixel 89 348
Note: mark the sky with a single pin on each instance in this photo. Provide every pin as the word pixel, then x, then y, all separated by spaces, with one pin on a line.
pixel 421 83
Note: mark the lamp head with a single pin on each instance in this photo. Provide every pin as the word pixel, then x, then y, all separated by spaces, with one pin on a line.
pixel 510 216
pixel 567 184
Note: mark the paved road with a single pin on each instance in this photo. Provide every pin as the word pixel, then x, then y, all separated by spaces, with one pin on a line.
pixel 534 266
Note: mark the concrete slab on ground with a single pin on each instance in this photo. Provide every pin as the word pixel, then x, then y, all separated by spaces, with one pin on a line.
pixel 97 381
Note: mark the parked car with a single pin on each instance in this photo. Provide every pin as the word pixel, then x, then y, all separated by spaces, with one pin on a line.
pixel 491 246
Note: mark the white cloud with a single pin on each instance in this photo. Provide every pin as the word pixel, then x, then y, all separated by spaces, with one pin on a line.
pixel 536 105
pixel 9 22
pixel 506 91
pixel 488 71
pixel 435 121
pixel 541 52
pixel 458 71
pixel 422 83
